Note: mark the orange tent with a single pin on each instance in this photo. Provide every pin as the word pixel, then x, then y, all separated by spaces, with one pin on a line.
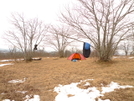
pixel 77 56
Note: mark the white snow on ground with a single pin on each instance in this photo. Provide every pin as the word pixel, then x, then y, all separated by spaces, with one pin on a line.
pixel 27 98
pixel 73 93
pixel 112 86
pixel 78 94
pixel 9 60
pixel 35 98
pixel 131 57
pixel 17 81
pixel 23 92
pixel 6 60
pixel 1 65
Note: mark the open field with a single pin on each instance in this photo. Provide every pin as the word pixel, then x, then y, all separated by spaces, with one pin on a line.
pixel 42 76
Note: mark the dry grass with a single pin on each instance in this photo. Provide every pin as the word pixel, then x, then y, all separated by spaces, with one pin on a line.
pixel 42 76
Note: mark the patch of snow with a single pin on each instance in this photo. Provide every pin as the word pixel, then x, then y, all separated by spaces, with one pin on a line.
pixel 18 60
pixel 115 57
pixel 23 92
pixel 17 81
pixel 2 93
pixel 112 86
pixel 6 100
pixel 87 84
pixel 35 98
pixel 9 60
pixel 27 98
pixel 78 94
pixel 130 57
pixel 86 80
pixel 6 60
pixel 1 65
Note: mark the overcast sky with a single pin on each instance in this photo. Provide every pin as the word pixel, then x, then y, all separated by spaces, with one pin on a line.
pixel 46 10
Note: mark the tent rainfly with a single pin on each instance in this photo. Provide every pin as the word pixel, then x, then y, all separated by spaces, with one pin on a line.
pixel 76 56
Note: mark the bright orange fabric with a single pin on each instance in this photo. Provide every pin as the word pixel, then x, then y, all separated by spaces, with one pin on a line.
pixel 76 56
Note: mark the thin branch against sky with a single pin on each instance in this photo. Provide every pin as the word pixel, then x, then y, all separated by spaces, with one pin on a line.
pixel 46 10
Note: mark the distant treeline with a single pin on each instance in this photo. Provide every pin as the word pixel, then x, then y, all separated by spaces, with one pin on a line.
pixel 4 54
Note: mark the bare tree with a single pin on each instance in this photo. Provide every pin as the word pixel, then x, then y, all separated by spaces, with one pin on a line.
pixel 13 52
pixel 132 41
pixel 104 22
pixel 125 46
pixel 25 34
pixel 58 40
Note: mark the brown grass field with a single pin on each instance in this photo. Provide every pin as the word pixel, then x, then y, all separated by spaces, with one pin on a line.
pixel 42 76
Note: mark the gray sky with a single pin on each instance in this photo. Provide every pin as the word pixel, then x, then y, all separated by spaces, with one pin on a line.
pixel 46 10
